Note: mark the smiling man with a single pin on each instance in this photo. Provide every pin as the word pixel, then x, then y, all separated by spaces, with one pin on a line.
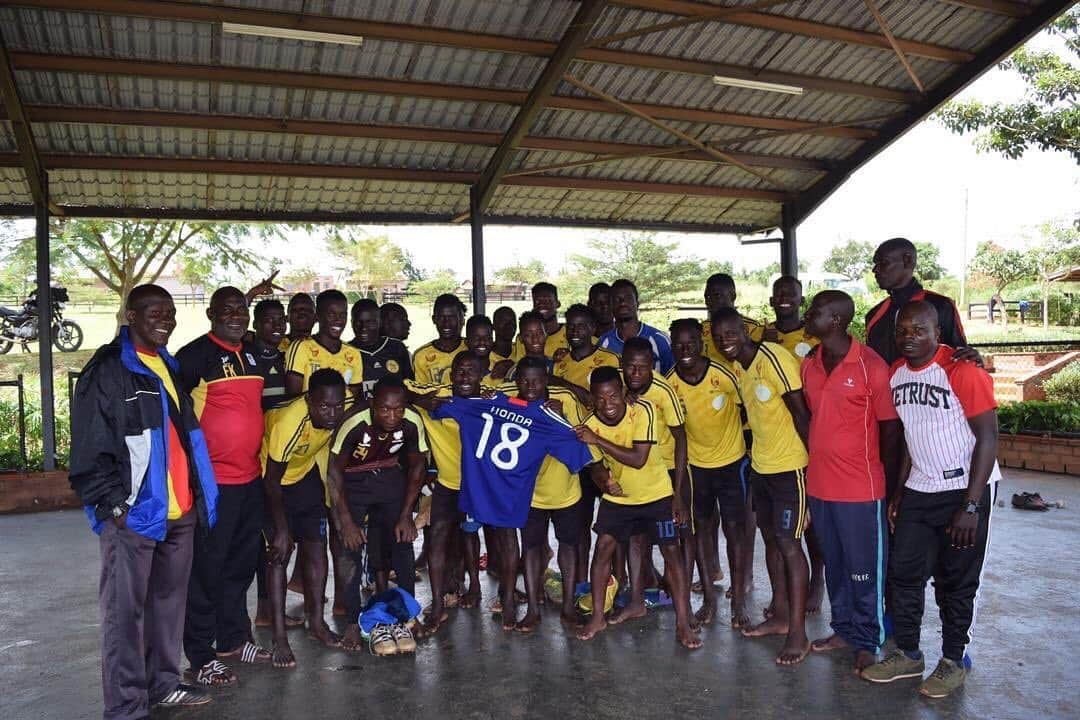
pixel 381 354
pixel 788 329
pixel 431 362
pixel 140 466
pixel 225 380
pixel 624 304
pixel 301 316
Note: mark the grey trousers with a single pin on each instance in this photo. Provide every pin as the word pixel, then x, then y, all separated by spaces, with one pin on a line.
pixel 142 594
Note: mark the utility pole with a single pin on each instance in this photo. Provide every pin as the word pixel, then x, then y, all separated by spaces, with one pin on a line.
pixel 964 255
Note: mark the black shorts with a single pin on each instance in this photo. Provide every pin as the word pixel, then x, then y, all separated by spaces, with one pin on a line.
pixel 724 486
pixel 444 505
pixel 651 519
pixel 589 492
pixel 567 522
pixel 305 507
pixel 780 502
pixel 375 501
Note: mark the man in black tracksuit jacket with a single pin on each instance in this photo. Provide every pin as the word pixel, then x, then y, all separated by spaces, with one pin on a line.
pixel 140 466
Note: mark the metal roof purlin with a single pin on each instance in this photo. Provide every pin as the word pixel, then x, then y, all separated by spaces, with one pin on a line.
pixel 717 14
pixel 574 38
pixel 895 45
pixel 30 159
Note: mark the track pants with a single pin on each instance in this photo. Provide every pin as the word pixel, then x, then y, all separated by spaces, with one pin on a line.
pixel 854 542
pixel 922 550
pixel 376 499
pixel 221 573
pixel 142 595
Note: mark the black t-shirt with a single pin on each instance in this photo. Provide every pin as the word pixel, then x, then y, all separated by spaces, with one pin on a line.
pixel 271 363
pixel 390 357
pixel 881 320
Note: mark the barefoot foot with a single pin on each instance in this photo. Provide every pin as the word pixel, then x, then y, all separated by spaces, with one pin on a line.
pixel 772 626
pixel 528 624
pixel 794 651
pixel 630 612
pixel 706 613
pixel 833 642
pixel 589 630
pixel 688 638
pixel 352 640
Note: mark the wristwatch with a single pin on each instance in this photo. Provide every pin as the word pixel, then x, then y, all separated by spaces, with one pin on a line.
pixel 971 507
pixel 118 511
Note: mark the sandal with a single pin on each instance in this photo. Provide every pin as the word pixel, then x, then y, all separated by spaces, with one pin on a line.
pixel 249 653
pixel 1029 501
pixel 214 673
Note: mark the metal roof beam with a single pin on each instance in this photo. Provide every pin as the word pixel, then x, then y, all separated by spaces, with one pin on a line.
pixel 348 172
pixel 321 128
pixel 588 13
pixel 198 12
pixel 807 28
pixel 405 88
pixel 29 159
pixel 997 7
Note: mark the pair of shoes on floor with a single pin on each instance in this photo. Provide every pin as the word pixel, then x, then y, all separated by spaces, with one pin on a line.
pixel 1029 501
pixel 392 640
pixel 184 696
pixel 947 678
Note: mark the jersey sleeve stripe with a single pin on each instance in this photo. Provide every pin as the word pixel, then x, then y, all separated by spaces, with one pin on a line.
pixel 556 417
pixel 290 355
pixel 775 362
pixel 291 444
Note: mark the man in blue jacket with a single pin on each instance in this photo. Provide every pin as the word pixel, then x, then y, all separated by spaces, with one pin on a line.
pixel 140 466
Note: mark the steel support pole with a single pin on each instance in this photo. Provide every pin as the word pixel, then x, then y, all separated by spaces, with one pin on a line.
pixel 789 255
pixel 476 223
pixel 45 330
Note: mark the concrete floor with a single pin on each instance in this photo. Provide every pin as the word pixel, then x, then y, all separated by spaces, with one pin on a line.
pixel 1029 625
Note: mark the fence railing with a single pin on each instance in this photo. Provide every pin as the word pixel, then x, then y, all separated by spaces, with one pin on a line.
pixel 17 383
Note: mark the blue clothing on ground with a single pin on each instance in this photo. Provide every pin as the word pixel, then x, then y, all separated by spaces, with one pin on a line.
pixel 854 542
pixel 504 441
pixel 388 608
pixel 663 359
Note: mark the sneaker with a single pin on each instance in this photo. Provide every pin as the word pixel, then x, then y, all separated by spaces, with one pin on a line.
pixel 404 639
pixel 382 641
pixel 946 678
pixel 895 666
pixel 184 695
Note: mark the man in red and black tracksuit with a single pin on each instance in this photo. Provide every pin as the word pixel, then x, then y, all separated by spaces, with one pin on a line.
pixel 224 378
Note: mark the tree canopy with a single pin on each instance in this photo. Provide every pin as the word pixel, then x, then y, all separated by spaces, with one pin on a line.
pixel 1047 117
pixel 652 265
pixel 853 259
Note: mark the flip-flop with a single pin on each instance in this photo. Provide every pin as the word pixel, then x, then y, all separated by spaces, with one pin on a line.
pixel 213 674
pixel 249 653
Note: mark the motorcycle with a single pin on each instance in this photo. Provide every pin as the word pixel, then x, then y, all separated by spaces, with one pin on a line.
pixel 21 326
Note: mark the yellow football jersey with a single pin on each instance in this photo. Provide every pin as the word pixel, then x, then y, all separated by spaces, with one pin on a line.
pixel 432 366
pixel 714 435
pixel 669 412
pixel 753 328
pixel 556 486
pixel 579 371
pixel 772 373
pixel 443 437
pixel 290 438
pixel 651 481
pixel 796 342
pixel 307 356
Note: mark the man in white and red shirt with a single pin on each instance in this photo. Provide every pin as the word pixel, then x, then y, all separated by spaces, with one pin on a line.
pixel 941 517
pixel 852 424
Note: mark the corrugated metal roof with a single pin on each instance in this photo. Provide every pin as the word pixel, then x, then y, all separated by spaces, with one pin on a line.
pixel 446 64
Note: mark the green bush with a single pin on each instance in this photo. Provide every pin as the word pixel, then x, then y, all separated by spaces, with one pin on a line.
pixel 10 458
pixel 1039 416
pixel 1064 386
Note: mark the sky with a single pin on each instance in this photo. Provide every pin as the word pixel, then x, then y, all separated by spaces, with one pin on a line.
pixel 916 188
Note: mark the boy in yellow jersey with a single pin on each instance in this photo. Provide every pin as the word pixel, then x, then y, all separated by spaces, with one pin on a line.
pixel 431 362
pixel 444 440
pixel 771 389
pixel 709 393
pixel 575 366
pixel 545 299
pixel 638 496
pixel 788 329
pixel 504 326
pixel 296 442
pixel 720 293
pixel 642 383
pixel 301 315
pixel 556 498
pixel 324 349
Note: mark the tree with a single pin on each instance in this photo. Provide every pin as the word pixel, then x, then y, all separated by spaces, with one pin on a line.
pixel 1058 249
pixel 1002 267
pixel 371 262
pixel 527 273
pixel 640 257
pixel 298 277
pixel 436 284
pixel 853 259
pixel 125 253
pixel 195 270
pixel 1047 117
pixel 928 266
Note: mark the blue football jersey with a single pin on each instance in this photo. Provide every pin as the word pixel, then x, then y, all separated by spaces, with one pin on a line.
pixel 503 443
pixel 663 358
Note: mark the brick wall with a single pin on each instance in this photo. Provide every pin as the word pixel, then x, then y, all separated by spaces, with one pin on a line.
pixel 32 492
pixel 1030 452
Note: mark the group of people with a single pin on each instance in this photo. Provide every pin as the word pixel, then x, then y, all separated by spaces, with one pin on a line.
pixel 868 468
